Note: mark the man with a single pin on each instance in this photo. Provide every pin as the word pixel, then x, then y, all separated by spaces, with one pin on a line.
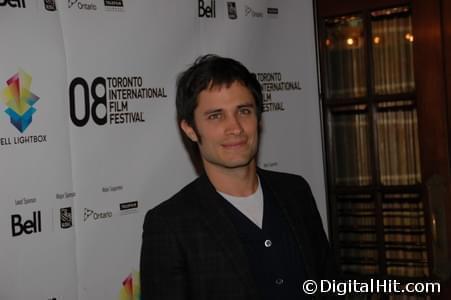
pixel 237 231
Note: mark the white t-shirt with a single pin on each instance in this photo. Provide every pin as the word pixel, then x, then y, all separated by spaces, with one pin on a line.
pixel 250 206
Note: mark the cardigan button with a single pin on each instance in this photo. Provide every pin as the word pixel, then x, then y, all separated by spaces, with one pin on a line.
pixel 268 243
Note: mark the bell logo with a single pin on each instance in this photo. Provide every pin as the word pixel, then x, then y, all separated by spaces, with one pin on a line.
pixel 13 3
pixel 207 11
pixel 28 226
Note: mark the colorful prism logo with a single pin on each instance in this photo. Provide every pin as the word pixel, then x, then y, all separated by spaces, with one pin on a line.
pixel 131 289
pixel 19 100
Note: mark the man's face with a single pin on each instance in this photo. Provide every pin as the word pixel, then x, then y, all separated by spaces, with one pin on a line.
pixel 226 126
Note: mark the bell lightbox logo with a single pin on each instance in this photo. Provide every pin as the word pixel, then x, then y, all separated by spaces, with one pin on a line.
pixel 19 100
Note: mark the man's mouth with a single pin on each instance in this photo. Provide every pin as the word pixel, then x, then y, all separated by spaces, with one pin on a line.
pixel 233 145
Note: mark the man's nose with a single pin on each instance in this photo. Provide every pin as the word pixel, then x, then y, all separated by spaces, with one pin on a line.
pixel 234 125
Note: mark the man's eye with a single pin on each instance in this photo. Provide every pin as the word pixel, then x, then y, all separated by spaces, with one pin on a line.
pixel 214 116
pixel 245 111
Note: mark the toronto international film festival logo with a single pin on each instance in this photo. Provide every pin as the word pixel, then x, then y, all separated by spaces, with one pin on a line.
pixel 19 100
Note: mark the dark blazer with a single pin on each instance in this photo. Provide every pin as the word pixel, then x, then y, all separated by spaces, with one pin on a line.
pixel 191 250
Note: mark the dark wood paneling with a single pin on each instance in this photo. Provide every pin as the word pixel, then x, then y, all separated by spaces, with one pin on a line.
pixel 446 25
pixel 432 56
pixel 446 40
pixel 334 7
pixel 430 83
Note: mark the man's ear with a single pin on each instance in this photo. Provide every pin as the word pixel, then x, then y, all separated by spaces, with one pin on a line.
pixel 189 131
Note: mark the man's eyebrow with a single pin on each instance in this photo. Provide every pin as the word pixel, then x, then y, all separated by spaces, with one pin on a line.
pixel 212 111
pixel 218 110
pixel 250 104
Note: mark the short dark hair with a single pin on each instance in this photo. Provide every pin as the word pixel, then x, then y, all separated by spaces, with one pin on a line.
pixel 209 71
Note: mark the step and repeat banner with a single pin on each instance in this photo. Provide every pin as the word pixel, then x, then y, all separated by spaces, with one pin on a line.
pixel 88 135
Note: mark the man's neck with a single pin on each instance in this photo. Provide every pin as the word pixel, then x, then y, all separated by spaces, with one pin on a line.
pixel 240 182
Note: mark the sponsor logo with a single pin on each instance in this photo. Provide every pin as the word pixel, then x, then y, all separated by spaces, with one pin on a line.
pixel 272 11
pixel 131 288
pixel 13 3
pixel 231 10
pixel 206 10
pixel 81 5
pixel 30 226
pixel 50 5
pixel 19 100
pixel 114 5
pixel 90 214
pixel 16 140
pixel 250 12
pixel 128 207
pixel 66 217
pixel 108 100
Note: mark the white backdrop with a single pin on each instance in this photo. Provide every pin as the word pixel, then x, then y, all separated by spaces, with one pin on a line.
pixel 103 147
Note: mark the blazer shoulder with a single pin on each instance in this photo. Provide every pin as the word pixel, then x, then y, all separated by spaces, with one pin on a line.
pixel 179 205
pixel 283 178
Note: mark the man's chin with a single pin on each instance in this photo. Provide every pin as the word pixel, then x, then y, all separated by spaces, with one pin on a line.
pixel 239 163
pixel 231 164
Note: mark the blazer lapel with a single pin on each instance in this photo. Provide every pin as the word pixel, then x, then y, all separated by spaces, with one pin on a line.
pixel 216 220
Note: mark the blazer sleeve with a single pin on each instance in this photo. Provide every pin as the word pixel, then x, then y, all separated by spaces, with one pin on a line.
pixel 162 266
pixel 328 268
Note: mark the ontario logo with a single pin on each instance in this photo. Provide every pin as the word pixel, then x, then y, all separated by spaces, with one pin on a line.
pixel 131 289
pixel 88 213
pixel 19 100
